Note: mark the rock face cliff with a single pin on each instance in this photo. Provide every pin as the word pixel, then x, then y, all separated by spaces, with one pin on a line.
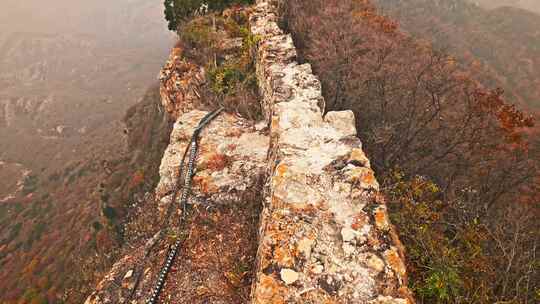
pixel 323 230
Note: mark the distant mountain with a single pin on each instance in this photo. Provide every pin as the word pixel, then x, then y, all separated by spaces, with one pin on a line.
pixel 70 67
pixel 61 226
pixel 120 21
pixel 69 71
pixel 501 46
pixel 57 88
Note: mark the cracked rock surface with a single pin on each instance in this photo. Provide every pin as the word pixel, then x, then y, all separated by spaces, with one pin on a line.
pixel 325 235
pixel 231 159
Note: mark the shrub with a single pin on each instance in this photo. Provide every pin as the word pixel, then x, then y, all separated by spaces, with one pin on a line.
pixel 446 260
pixel 32 296
pixel 199 33
pixel 465 195
pixel 442 284
pixel 109 213
pixel 212 41
pixel 177 11
pixel 30 184
pixel 236 72
pixel 226 78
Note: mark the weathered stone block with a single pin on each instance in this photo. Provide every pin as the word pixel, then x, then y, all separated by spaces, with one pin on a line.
pixel 319 196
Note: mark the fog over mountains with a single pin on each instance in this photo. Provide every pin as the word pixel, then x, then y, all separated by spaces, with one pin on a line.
pixel 70 68
pixel 532 5
pixel 83 132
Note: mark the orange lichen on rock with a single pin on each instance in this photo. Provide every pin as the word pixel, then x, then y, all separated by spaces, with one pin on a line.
pixel 274 124
pixel 368 179
pixel 318 232
pixel 381 218
pixel 205 184
pixel 269 291
pixel 216 162
pixel 284 257
pixel 359 221
pixel 407 294
pixel 395 262
pixel 358 156
pixel 279 176
pixel 281 170
pixel 364 177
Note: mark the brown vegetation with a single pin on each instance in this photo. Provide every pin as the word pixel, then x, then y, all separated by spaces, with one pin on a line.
pixel 452 155
pixel 499 47
pixel 58 239
pixel 222 44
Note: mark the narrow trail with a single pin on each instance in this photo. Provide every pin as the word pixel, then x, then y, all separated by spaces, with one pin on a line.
pixel 215 262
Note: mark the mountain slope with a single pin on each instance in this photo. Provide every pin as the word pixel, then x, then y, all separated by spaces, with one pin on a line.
pixel 69 71
pixel 63 228
pixel 500 47
pixel 531 5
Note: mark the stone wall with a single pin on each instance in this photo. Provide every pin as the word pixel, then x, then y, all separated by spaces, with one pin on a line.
pixel 325 235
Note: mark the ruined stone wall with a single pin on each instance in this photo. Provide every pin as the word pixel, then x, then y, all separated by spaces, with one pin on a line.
pixel 230 165
pixel 325 235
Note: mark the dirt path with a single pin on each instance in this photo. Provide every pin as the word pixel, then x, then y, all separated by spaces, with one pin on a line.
pixel 215 264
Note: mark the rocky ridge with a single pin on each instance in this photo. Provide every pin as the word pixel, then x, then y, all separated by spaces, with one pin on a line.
pixel 324 234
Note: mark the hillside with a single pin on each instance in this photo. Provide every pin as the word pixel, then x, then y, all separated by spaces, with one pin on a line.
pixel 69 71
pixel 531 5
pixel 284 207
pixel 455 174
pixel 63 228
pixel 50 102
pixel 362 152
pixel 500 47
pixel 458 172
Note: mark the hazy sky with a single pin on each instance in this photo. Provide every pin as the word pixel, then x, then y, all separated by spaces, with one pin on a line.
pixel 113 19
pixel 78 63
pixel 533 5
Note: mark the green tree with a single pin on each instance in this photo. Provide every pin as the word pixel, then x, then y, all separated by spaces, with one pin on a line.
pixel 177 11
pixel 169 15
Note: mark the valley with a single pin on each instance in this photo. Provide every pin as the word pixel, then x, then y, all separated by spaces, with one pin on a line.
pixel 69 71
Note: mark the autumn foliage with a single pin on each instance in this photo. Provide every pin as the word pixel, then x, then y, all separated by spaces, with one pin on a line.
pixel 452 154
pixel 137 179
pixel 57 242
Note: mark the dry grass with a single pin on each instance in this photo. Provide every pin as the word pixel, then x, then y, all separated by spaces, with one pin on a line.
pixel 223 44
